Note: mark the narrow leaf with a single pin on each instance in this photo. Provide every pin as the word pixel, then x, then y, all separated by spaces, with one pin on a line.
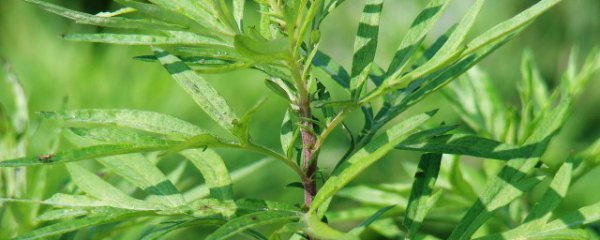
pixel 213 170
pixel 237 225
pixel 203 93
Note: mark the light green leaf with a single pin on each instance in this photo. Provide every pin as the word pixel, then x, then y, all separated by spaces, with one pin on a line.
pixel 414 37
pixel 366 156
pixel 199 11
pixel 238 12
pixel 261 50
pixel 511 26
pixel 422 197
pixel 460 32
pixel 556 192
pixel 116 135
pixel 202 190
pixel 142 173
pixel 140 120
pixel 513 178
pixel 463 144
pixel 203 93
pixel 163 14
pixel 242 127
pixel 287 135
pixel 374 195
pixel 142 39
pixel 333 69
pixel 214 171
pixel 362 226
pixel 58 214
pixel 365 45
pixel 98 217
pixel 93 185
pixel 81 154
pixel 240 224
pixel 321 230
pixel 118 22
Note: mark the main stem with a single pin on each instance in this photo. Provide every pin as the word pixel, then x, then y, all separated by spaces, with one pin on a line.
pixel 308 143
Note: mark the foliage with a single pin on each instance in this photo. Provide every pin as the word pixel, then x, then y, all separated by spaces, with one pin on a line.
pixel 193 38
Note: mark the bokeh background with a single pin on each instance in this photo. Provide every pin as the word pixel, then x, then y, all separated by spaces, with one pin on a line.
pixel 107 76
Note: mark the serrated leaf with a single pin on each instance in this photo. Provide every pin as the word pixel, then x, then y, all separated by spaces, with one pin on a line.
pixel 366 156
pixel 214 171
pixel 203 93
pixel 140 120
pixel 365 45
pixel 93 185
pixel 118 22
pixel 422 197
pixel 237 225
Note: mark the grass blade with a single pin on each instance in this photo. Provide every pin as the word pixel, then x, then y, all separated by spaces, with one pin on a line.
pixel 203 93
pixel 421 198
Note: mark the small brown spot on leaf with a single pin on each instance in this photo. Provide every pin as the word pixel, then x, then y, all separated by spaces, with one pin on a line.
pixel 46 158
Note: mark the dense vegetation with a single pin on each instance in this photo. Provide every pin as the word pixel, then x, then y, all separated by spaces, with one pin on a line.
pixel 485 177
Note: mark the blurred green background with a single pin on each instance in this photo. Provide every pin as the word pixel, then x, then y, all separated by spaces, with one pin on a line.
pixel 107 76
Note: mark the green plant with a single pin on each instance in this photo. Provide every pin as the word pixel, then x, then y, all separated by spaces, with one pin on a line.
pixel 215 36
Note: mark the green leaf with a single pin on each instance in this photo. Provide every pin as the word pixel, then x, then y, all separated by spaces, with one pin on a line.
pixel 513 179
pixel 561 228
pixel 58 214
pixel 365 45
pixel 288 135
pixel 375 195
pixel 203 191
pixel 283 88
pixel 118 22
pixel 556 192
pixel 200 11
pixel 81 154
pixel 321 230
pixel 214 171
pixel 93 185
pixel 142 173
pixel 98 217
pixel 511 26
pixel 366 156
pixel 203 93
pixel 414 37
pixel 362 226
pixel 163 14
pixel 261 50
pixel 333 69
pixel 143 39
pixel 240 224
pixel 140 120
pixel 422 197
pixel 116 135
pixel 242 127
pixel 463 144
pixel 238 12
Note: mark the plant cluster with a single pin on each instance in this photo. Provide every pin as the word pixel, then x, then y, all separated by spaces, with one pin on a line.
pixel 191 38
